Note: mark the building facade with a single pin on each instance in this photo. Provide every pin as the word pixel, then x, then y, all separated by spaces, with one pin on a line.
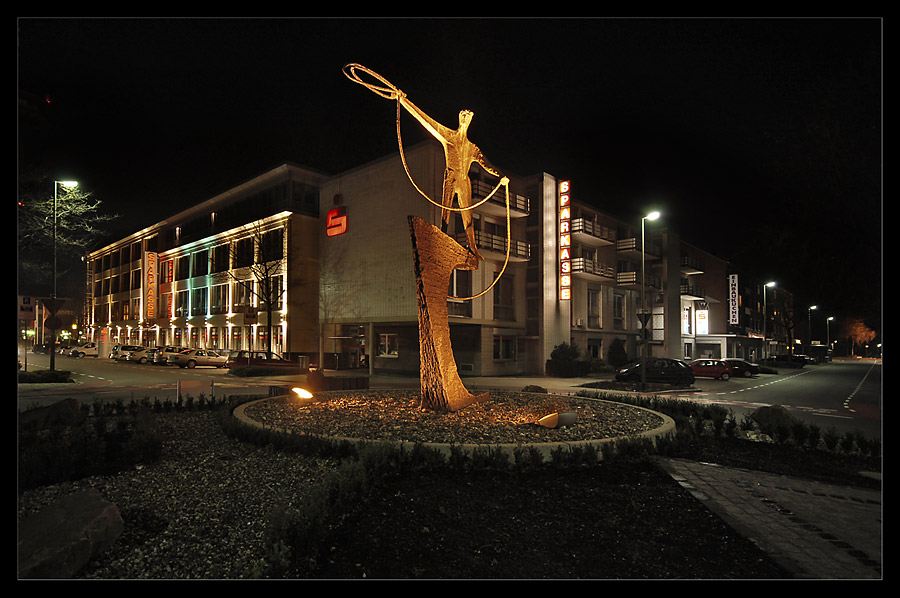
pixel 321 268
pixel 234 272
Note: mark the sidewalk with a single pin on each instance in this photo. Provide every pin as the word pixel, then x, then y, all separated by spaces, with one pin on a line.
pixel 815 530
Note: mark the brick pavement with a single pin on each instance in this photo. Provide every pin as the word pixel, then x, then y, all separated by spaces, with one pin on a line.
pixel 816 530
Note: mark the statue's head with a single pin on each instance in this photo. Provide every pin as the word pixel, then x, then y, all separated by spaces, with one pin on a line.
pixel 465 117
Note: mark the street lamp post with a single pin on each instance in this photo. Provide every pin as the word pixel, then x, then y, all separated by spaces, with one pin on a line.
pixel 54 323
pixel 809 326
pixel 828 330
pixel 643 315
pixel 765 320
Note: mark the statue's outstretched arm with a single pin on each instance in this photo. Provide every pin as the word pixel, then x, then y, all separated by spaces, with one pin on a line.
pixel 435 128
pixel 479 157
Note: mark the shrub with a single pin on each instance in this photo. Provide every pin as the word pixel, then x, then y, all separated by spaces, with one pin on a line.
pixel 566 362
pixel 617 356
pixel 41 376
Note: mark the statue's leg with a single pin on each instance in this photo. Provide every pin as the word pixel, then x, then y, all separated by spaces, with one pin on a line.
pixel 436 256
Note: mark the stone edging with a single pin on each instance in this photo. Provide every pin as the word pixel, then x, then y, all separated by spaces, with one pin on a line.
pixel 545 448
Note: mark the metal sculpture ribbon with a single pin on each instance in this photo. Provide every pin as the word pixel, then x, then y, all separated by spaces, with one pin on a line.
pixel 437 254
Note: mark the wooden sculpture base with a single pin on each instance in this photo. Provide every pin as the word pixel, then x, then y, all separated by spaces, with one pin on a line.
pixel 436 257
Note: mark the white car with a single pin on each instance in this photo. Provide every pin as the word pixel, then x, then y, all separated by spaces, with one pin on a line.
pixel 85 350
pixel 119 351
pixel 139 355
pixel 191 358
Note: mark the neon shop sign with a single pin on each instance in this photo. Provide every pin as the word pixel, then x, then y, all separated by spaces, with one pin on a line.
pixel 565 242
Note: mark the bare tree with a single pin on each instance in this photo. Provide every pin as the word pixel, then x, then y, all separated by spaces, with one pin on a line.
pixel 257 265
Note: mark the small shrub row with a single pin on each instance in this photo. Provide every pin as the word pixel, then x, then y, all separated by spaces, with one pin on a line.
pixel 39 376
pixel 774 422
pixel 94 446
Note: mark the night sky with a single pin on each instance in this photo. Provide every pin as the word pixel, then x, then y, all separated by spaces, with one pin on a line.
pixel 759 140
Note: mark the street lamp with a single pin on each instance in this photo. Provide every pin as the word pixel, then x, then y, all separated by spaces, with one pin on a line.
pixel 643 314
pixel 765 320
pixel 54 323
pixel 809 326
pixel 828 330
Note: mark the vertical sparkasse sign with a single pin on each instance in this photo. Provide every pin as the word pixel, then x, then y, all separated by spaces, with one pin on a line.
pixel 565 242
pixel 150 285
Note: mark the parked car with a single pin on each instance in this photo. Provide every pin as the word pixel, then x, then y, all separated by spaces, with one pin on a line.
pixel 742 367
pixel 191 358
pixel 161 357
pixel 788 361
pixel 152 353
pixel 142 355
pixel 85 350
pixel 659 369
pixel 260 359
pixel 119 351
pixel 711 368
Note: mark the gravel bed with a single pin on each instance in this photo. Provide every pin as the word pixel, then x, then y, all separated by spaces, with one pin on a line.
pixel 505 418
pixel 201 512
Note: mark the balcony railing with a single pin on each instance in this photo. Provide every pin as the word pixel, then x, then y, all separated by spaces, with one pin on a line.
pixel 691 292
pixel 591 232
pixel 691 265
pixel 518 250
pixel 633 279
pixel 582 265
pixel 633 246
pixel 517 203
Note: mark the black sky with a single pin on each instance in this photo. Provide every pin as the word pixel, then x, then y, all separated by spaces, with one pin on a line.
pixel 759 139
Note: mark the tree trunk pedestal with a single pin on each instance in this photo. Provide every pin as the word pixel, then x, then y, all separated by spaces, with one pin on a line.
pixel 436 257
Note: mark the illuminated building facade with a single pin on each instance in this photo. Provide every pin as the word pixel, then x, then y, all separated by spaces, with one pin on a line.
pixel 340 262
pixel 207 276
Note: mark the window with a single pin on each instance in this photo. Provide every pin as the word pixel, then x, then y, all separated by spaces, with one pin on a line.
pixel 219 299
pixel 181 303
pixel 166 271
pixel 220 258
pixel 504 348
pixel 504 309
pixel 387 345
pixel 271 290
pixel 243 253
pixel 271 246
pixel 182 267
pixel 619 311
pixel 240 296
pixel 593 307
pixel 460 286
pixel 198 301
pixel 200 266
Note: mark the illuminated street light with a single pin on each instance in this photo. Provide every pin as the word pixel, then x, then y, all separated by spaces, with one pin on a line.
pixel 809 325
pixel 828 330
pixel 643 315
pixel 765 320
pixel 53 317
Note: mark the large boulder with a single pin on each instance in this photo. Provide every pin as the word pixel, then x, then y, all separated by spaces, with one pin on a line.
pixel 57 541
pixel 66 413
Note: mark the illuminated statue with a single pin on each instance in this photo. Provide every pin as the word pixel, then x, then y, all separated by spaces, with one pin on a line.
pixel 436 254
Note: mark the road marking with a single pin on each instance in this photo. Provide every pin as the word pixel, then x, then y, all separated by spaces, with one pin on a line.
pixel 855 390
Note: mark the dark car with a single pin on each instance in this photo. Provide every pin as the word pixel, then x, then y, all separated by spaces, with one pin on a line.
pixel 787 361
pixel 742 367
pixel 711 368
pixel 260 359
pixel 659 369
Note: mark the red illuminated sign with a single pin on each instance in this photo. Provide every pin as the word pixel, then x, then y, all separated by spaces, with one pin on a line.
pixel 565 242
pixel 336 221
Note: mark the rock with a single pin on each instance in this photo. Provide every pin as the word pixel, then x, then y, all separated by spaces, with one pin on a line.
pixel 66 412
pixel 57 541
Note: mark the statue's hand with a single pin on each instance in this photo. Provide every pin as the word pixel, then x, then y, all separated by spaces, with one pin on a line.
pixel 505 181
